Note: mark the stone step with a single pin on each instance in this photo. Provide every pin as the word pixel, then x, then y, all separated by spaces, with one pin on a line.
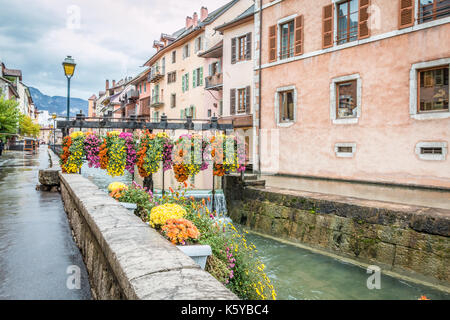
pixel 248 177
pixel 255 183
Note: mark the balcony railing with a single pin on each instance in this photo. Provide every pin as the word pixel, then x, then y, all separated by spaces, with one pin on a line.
pixel 214 82
pixel 157 101
pixel 156 74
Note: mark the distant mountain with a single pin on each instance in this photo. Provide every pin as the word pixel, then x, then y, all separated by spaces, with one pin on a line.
pixel 58 104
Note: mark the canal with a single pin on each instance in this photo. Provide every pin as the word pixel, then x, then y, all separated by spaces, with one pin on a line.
pixel 300 274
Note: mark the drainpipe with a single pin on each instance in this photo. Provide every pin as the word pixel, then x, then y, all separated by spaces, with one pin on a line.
pixel 260 85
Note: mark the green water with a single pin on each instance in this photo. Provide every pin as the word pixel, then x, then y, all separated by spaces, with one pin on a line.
pixel 299 274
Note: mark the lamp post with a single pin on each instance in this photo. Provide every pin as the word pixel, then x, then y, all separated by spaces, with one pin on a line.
pixel 54 130
pixel 69 69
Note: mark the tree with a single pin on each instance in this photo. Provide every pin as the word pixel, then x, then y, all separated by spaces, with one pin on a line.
pixel 28 127
pixel 9 115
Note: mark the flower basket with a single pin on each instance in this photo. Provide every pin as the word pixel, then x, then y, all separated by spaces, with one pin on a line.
pixel 198 253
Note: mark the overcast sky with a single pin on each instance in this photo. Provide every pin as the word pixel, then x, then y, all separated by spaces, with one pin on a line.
pixel 109 39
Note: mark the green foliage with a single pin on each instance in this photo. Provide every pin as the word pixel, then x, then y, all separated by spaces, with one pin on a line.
pixel 9 115
pixel 28 127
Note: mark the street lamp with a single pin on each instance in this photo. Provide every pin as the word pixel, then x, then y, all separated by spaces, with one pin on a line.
pixel 69 69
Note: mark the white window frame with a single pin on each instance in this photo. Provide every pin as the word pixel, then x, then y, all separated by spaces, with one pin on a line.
pixel 279 23
pixel 236 50
pixel 334 102
pixel 277 106
pixel 413 81
pixel 345 145
pixel 432 157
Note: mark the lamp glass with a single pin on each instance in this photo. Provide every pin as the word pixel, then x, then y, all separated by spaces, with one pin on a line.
pixel 69 69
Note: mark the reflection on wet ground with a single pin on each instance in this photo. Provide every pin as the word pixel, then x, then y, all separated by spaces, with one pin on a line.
pixel 36 244
pixel 411 196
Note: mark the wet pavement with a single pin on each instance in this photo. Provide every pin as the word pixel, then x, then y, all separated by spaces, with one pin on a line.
pixel 38 256
pixel 410 196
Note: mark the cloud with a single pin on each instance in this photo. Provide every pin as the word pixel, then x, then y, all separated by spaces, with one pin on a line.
pixel 108 39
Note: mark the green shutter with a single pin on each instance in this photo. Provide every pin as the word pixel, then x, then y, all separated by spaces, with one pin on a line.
pixel 194 78
pixel 182 84
pixel 187 81
pixel 201 76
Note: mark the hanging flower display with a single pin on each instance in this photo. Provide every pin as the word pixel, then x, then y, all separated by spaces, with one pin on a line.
pixel 117 156
pixel 154 150
pixel 130 145
pixel 103 155
pixel 73 153
pixel 228 154
pixel 92 149
pixel 189 156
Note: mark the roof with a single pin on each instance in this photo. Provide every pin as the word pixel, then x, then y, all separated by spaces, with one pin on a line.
pixel 12 73
pixel 94 97
pixel 184 32
pixel 213 52
pixel 247 14
pixel 217 13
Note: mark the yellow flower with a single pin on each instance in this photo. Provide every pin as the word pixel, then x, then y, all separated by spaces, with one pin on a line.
pixel 159 215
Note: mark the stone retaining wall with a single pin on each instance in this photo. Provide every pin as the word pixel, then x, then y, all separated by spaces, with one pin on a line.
pixel 125 258
pixel 413 241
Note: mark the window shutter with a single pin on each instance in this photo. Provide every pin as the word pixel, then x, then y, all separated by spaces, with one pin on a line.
pixel 194 78
pixel 201 76
pixel 272 43
pixel 183 83
pixel 298 36
pixel 248 53
pixel 247 100
pixel 187 81
pixel 233 51
pixel 210 69
pixel 233 101
pixel 363 25
pixel 406 13
pixel 327 26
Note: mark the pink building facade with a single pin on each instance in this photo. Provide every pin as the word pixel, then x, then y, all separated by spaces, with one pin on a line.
pixel 354 90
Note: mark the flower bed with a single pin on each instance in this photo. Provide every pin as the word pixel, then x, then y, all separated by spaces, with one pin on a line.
pixel 185 221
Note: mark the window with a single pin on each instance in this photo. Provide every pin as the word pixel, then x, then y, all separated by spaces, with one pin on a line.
pixel 242 48
pixel 156 116
pixel 430 10
pixel 221 108
pixel 345 150
pixel 433 92
pixel 172 77
pixel 209 113
pixel 347 99
pixel 287 40
pixel 186 51
pixel 198 44
pixel 163 65
pixel 432 151
pixel 347 15
pixel 197 77
pixel 241 101
pixel 286 103
pixel 145 87
pixel 173 100
pixel 174 56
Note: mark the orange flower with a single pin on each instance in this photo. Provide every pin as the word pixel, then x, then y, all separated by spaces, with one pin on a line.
pixel 171 190
pixel 424 298
pixel 180 231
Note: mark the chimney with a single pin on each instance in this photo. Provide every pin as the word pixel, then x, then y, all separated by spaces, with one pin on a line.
pixel 195 19
pixel 203 13
pixel 114 83
pixel 189 22
pixel 107 85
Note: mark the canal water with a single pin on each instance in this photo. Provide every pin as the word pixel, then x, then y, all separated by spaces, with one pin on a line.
pixel 300 274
